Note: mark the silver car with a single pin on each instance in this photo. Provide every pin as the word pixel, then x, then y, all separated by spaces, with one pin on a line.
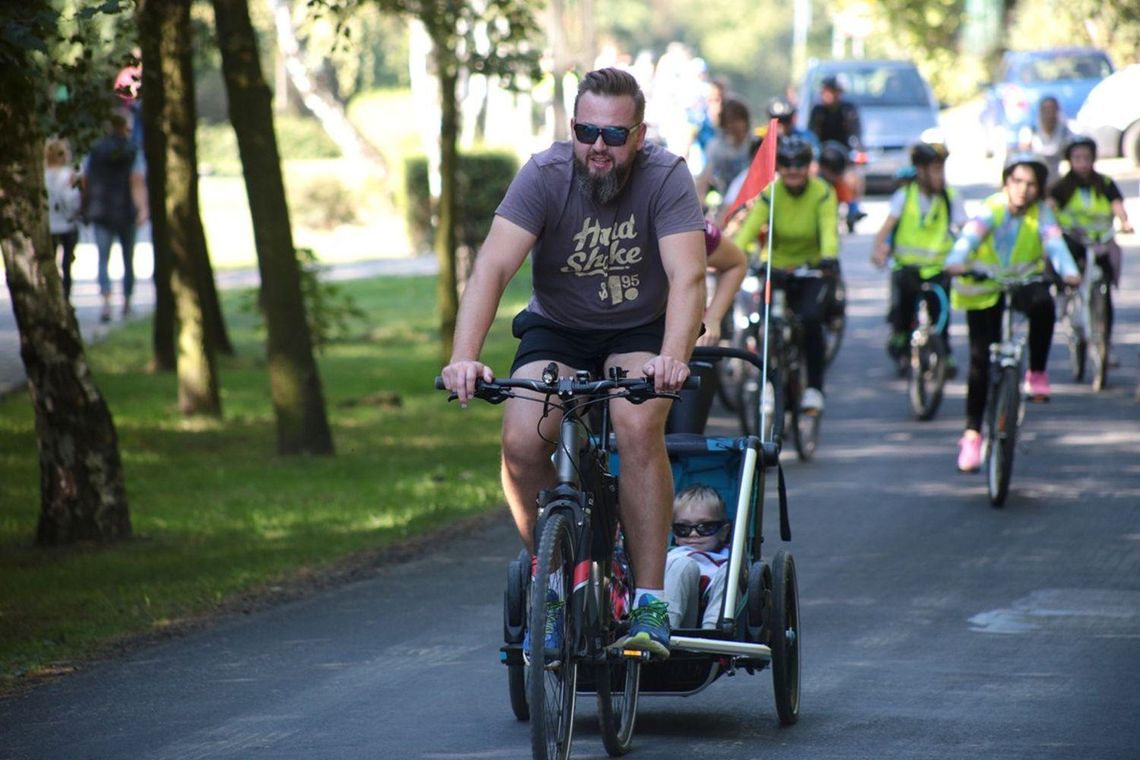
pixel 895 103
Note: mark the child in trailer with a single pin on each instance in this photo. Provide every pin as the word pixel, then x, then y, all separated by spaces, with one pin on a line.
pixel 697 567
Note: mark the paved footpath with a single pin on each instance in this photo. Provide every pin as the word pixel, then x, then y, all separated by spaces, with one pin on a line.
pixel 85 297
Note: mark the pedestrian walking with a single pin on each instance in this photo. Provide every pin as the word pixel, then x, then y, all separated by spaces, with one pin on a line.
pixel 64 199
pixel 114 202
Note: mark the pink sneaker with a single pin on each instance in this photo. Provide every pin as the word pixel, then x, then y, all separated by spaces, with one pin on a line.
pixel 1037 385
pixel 970 451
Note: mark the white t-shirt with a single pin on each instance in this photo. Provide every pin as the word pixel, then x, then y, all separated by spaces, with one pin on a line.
pixel 63 198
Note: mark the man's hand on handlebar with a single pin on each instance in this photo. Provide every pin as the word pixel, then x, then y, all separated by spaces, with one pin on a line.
pixel 668 374
pixel 460 376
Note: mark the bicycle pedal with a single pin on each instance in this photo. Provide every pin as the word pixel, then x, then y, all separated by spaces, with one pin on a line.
pixel 637 654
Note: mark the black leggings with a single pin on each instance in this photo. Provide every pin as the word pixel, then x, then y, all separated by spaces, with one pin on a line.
pixel 906 290
pixel 1033 300
pixel 68 241
pixel 807 297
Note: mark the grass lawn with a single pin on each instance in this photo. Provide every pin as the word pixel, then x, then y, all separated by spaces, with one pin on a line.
pixel 216 514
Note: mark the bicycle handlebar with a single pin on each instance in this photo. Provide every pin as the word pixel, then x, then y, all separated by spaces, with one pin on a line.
pixel 1004 282
pixel 637 390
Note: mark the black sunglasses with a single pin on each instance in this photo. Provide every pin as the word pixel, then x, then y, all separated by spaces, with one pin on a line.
pixel 684 530
pixel 801 164
pixel 612 136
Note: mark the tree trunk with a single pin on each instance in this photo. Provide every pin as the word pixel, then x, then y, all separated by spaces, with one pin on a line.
pixel 82 494
pixel 169 22
pixel 154 149
pixel 447 292
pixel 295 385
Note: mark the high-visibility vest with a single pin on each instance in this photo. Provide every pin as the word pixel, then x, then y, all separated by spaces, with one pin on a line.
pixel 1089 211
pixel 923 240
pixel 1026 258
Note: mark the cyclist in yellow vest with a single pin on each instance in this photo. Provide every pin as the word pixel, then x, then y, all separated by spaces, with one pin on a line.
pixel 806 233
pixel 1009 238
pixel 924 217
pixel 1086 203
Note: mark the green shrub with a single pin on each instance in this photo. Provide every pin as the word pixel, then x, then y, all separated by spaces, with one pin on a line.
pixel 330 310
pixel 482 181
pixel 298 137
pixel 322 202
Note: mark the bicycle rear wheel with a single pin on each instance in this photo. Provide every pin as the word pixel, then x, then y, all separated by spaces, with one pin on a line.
pixel 1002 435
pixel 617 679
pixel 927 376
pixel 1098 334
pixel 805 426
pixel 553 675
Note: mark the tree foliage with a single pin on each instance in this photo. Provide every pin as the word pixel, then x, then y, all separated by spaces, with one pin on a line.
pixel 1113 26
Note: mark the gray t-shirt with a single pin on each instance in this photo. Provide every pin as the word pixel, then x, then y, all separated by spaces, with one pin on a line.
pixel 600 267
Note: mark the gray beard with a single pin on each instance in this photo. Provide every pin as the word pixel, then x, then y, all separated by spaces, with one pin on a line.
pixel 601 190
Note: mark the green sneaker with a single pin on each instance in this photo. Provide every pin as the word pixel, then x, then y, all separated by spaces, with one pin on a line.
pixel 649 627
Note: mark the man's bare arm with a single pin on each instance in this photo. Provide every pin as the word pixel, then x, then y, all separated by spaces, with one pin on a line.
pixel 503 252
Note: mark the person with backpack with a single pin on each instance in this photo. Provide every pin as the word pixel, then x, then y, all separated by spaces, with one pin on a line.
pixel 923 220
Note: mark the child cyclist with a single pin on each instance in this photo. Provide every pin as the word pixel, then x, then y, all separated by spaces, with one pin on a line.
pixel 1011 237
pixel 925 216
pixel 695 569
pixel 1086 202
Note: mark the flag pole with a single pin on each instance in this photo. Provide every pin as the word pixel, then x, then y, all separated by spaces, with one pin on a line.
pixel 767 314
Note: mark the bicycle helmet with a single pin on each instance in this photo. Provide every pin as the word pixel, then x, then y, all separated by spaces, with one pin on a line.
pixel 793 149
pixel 924 153
pixel 1080 141
pixel 831 82
pixel 1033 161
pixel 834 156
pixel 780 108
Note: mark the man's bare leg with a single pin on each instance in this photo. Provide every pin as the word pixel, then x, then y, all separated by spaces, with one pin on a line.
pixel 646 481
pixel 526 465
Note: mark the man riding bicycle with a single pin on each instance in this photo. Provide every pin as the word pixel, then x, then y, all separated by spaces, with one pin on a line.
pixel 1009 238
pixel 805 234
pixel 1086 202
pixel 924 217
pixel 618 280
pixel 835 119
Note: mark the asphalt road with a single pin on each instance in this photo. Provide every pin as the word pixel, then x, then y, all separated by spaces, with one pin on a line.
pixel 933 625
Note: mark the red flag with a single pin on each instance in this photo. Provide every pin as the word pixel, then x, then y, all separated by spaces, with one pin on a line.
pixel 760 173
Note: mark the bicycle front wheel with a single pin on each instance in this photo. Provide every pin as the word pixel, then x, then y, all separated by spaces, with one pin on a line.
pixel 1002 435
pixel 1098 334
pixel 927 377
pixel 553 671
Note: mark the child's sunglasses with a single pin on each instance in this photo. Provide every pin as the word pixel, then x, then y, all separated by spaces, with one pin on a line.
pixel 611 136
pixel 704 529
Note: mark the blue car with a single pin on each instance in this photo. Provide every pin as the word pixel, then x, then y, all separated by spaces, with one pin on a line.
pixel 1068 74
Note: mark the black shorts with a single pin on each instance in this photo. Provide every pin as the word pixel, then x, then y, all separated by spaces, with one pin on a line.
pixel 543 340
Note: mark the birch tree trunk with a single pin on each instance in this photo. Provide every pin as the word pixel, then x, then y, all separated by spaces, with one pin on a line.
pixel 82 494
